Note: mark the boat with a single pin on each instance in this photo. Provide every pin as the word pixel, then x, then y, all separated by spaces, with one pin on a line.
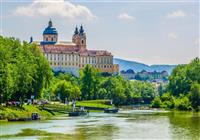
pixel 111 110
pixel 78 113
pixel 34 116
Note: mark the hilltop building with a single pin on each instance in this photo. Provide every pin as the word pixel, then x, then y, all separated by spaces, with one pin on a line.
pixel 72 56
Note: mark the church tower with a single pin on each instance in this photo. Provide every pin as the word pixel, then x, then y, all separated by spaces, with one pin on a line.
pixel 79 38
pixel 50 34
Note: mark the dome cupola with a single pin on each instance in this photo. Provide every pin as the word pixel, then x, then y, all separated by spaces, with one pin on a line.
pixel 50 34
pixel 50 30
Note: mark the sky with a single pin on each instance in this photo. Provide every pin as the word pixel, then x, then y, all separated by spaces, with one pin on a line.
pixel 147 31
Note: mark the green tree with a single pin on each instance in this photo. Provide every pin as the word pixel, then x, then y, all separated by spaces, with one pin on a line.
pixel 89 82
pixel 195 96
pixel 64 89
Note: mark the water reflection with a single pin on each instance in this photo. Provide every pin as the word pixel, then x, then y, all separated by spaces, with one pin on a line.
pixel 127 124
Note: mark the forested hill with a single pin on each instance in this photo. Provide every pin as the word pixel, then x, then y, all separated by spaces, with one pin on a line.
pixel 137 67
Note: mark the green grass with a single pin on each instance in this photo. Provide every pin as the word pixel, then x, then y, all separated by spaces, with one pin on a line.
pixel 95 103
pixel 57 108
pixel 23 112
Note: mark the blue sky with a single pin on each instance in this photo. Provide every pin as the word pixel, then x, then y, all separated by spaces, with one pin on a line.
pixel 156 32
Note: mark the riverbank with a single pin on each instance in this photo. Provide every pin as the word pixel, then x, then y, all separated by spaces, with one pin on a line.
pixel 12 112
pixel 49 110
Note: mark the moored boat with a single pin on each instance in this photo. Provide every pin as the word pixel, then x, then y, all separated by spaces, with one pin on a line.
pixel 111 110
pixel 78 113
pixel 34 116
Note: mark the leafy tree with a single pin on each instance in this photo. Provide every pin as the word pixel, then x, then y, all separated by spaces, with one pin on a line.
pixel 89 82
pixel 64 89
pixel 195 96
pixel 23 70
pixel 115 90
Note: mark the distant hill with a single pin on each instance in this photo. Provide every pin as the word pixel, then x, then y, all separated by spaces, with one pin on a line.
pixel 137 67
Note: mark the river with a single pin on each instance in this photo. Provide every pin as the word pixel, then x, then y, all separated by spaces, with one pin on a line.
pixel 125 125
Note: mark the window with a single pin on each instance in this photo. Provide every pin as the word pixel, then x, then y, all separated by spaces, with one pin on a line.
pixel 82 41
pixel 52 39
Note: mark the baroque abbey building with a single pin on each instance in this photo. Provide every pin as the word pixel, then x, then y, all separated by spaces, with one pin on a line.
pixel 72 56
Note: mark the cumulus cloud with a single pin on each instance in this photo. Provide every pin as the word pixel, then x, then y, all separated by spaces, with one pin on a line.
pixel 60 8
pixel 125 16
pixel 176 14
pixel 173 35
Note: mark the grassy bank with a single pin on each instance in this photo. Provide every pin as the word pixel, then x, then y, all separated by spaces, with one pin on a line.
pixel 23 112
pixel 95 104
pixel 49 110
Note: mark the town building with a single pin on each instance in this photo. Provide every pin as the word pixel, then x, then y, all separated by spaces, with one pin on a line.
pixel 72 56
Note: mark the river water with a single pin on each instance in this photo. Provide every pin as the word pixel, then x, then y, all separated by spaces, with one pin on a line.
pixel 125 125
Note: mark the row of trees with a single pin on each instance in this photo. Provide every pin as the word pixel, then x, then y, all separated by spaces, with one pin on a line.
pixel 183 90
pixel 93 85
pixel 23 70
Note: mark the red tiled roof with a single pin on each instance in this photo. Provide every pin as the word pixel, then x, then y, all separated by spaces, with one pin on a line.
pixel 60 48
pixel 95 53
pixel 63 48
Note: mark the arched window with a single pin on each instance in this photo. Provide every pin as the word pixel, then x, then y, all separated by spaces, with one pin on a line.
pixel 82 41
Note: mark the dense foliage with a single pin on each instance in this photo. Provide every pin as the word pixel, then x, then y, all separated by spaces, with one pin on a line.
pixel 93 85
pixel 24 71
pixel 183 90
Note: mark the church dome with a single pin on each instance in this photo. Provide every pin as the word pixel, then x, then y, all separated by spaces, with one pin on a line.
pixel 50 29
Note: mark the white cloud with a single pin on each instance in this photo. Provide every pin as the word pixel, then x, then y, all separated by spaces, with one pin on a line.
pixel 60 8
pixel 176 14
pixel 125 16
pixel 197 42
pixel 173 35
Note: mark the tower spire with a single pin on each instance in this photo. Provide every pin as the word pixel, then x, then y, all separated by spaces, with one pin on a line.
pixel 76 30
pixel 50 23
pixel 81 31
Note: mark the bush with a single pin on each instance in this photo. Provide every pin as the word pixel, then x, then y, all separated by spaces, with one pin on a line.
pixel 168 104
pixel 182 103
pixel 156 103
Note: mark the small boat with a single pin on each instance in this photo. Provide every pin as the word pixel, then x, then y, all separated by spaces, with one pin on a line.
pixel 34 116
pixel 78 113
pixel 111 110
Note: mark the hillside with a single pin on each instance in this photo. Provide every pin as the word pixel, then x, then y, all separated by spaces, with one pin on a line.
pixel 136 66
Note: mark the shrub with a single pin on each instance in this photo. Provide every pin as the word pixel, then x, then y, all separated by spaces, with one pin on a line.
pixel 156 103
pixel 182 103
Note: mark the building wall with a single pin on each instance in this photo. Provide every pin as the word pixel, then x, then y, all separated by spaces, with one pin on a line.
pixel 66 62
pixel 51 38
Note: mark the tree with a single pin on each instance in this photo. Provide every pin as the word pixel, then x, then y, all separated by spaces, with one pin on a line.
pixel 179 83
pixel 115 90
pixel 195 96
pixel 64 89
pixel 24 71
pixel 89 82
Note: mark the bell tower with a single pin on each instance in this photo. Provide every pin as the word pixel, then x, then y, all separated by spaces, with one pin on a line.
pixel 79 38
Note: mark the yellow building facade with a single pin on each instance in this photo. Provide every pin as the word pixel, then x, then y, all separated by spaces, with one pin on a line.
pixel 72 56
